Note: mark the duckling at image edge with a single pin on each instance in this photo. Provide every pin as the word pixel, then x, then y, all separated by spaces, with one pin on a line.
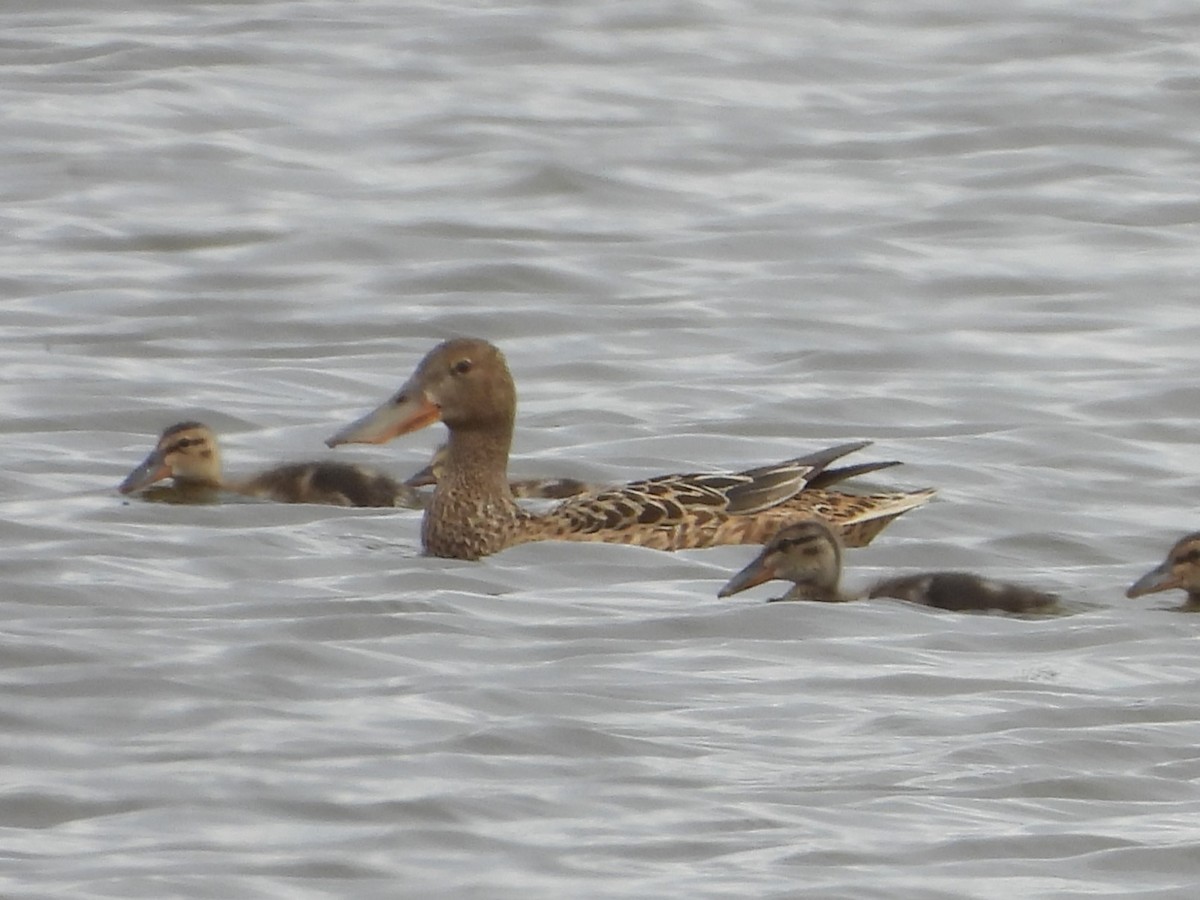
pixel 188 454
pixel 1181 569
pixel 809 554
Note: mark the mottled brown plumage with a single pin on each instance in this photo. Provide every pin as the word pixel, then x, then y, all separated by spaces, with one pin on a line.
pixel 522 488
pixel 188 454
pixel 1181 569
pixel 809 554
pixel 466 384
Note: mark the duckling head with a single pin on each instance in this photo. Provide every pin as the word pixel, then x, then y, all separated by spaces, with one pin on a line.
pixel 807 553
pixel 186 452
pixel 1181 569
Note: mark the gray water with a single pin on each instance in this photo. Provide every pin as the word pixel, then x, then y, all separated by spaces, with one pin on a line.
pixel 706 235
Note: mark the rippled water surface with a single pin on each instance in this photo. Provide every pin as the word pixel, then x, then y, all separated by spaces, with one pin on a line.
pixel 706 235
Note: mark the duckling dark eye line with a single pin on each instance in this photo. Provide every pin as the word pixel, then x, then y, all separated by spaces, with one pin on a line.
pixel 462 367
pixel 793 543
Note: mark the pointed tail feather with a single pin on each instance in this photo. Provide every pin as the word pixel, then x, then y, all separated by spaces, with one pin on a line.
pixel 861 529
pixel 830 477
pixel 892 504
pixel 768 486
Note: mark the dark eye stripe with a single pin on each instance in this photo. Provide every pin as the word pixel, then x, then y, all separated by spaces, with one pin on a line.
pixel 789 543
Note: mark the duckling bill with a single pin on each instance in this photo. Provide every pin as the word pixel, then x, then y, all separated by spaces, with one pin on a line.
pixel 809 554
pixel 806 553
pixel 189 455
pixel 1180 570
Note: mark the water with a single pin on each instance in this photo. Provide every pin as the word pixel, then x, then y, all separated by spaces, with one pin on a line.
pixel 705 235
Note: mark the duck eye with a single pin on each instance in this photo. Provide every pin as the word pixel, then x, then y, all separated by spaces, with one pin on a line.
pixel 462 367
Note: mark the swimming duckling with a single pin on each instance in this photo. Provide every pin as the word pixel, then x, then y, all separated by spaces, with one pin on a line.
pixel 522 489
pixel 809 554
pixel 1181 569
pixel 188 454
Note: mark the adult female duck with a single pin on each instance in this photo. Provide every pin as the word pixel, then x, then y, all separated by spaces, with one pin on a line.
pixel 465 383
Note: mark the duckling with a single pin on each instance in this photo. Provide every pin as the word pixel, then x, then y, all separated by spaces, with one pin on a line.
pixel 1181 569
pixel 809 554
pixel 806 553
pixel 188 453
pixel 964 592
pixel 522 488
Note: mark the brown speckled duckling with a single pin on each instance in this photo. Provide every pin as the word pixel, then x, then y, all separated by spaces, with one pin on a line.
pixel 809 554
pixel 466 384
pixel 188 453
pixel 1181 569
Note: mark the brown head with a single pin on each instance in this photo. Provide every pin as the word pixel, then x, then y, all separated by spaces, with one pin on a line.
pixel 807 553
pixel 463 382
pixel 1181 569
pixel 187 452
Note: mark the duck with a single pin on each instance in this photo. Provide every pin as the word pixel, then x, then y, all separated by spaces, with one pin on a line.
pixel 188 453
pixel 1181 569
pixel 466 384
pixel 808 553
pixel 522 488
